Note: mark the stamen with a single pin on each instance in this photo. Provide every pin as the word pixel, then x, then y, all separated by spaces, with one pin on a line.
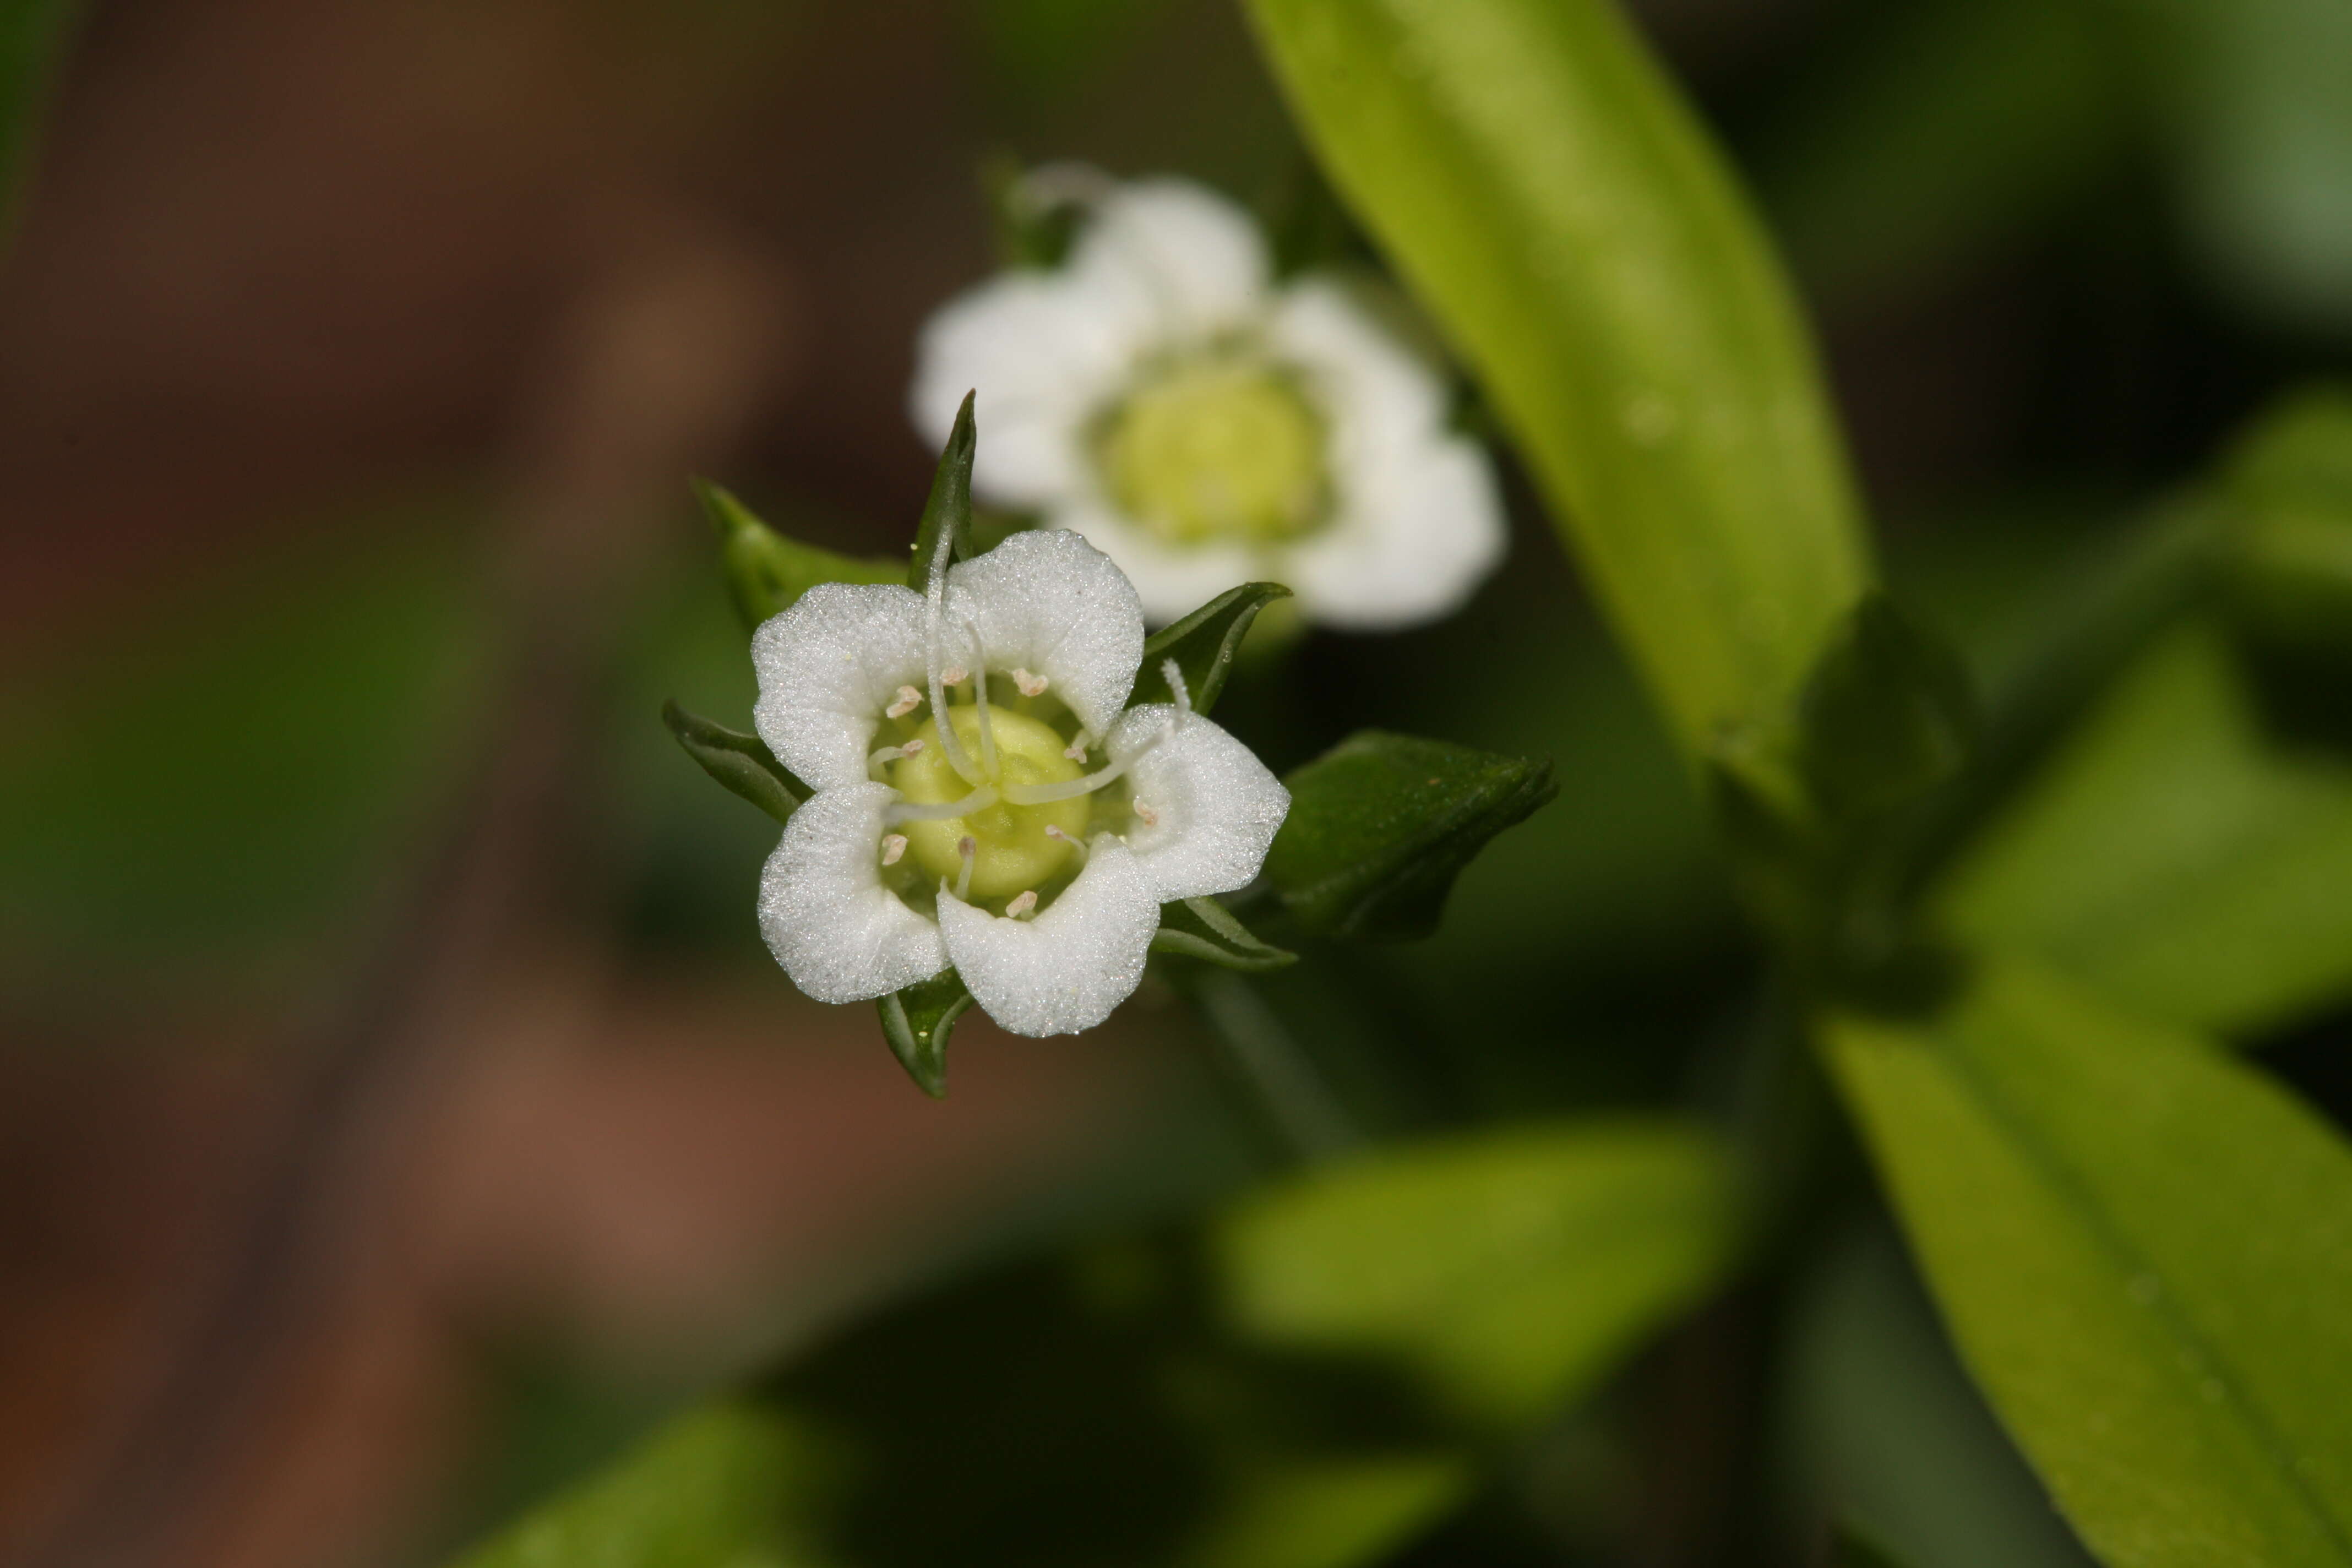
pixel 967 850
pixel 901 811
pixel 1022 902
pixel 979 699
pixel 1176 684
pixel 1079 845
pixel 1145 815
pixel 954 675
pixel 1076 750
pixel 893 846
pixel 914 748
pixel 1046 794
pixel 1030 685
pixel 906 701
pixel 889 754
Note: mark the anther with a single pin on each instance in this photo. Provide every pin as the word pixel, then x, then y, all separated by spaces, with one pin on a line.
pixel 954 675
pixel 1079 845
pixel 966 849
pixel 889 754
pixel 905 703
pixel 893 846
pixel 1076 750
pixel 1029 684
pixel 1145 815
pixel 1022 902
pixel 913 748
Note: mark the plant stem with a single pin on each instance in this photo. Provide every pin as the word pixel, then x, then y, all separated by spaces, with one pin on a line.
pixel 1285 1086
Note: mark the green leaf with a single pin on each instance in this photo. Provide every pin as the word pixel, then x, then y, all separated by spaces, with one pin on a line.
pixel 947 514
pixel 1205 929
pixel 2290 488
pixel 1551 199
pixel 1851 1548
pixel 2143 1249
pixel 740 762
pixel 767 572
pixel 1381 825
pixel 1203 645
pixel 919 1020
pixel 32 39
pixel 2174 855
pixel 703 1492
pixel 1886 717
pixel 1507 1270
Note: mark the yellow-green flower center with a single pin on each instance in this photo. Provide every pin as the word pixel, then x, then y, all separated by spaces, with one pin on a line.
pixel 1218 447
pixel 1012 851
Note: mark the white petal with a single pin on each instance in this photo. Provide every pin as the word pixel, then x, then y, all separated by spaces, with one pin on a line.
pixel 1409 545
pixel 837 931
pixel 1171 582
pixel 1067 969
pixel 1216 805
pixel 1042 350
pixel 1198 257
pixel 827 667
pixel 1048 601
pixel 1376 391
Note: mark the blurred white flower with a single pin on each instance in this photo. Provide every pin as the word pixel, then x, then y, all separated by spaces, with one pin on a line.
pixel 1030 838
pixel 1162 395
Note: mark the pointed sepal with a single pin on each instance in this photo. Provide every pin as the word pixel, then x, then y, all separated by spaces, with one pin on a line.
pixel 1205 929
pixel 947 515
pixel 1203 645
pixel 917 1021
pixel 740 762
pixel 765 570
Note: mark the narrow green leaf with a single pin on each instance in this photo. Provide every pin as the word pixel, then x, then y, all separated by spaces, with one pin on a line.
pixel 1205 929
pixel 1381 825
pixel 917 1021
pixel 2289 486
pixel 2174 855
pixel 1508 1270
pixel 767 572
pixel 1203 645
pixel 947 514
pixel 2143 1249
pixel 1851 1548
pixel 1886 717
pixel 32 39
pixel 1552 200
pixel 740 762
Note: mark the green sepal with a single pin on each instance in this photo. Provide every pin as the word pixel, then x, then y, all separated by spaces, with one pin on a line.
pixel 765 571
pixel 1205 929
pixel 947 515
pixel 740 762
pixel 917 1021
pixel 1203 645
pixel 1381 825
pixel 1886 715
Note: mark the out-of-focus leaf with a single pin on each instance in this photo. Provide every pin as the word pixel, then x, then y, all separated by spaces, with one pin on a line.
pixel 2250 93
pixel 1205 929
pixel 32 37
pixel 1888 1434
pixel 919 1020
pixel 1381 825
pixel 947 513
pixel 740 762
pixel 2289 486
pixel 2175 856
pixel 1203 645
pixel 2143 1249
pixel 1568 222
pixel 712 1489
pixel 1886 717
pixel 1948 129
pixel 1507 1271
pixel 1307 1384
pixel 765 571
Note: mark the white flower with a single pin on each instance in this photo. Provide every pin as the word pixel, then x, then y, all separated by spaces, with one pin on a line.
pixel 1160 394
pixel 1030 840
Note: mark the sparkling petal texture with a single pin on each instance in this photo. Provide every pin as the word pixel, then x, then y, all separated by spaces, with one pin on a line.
pixel 1170 583
pixel 840 934
pixel 827 666
pixel 1067 969
pixel 1218 807
pixel 1410 551
pixel 1048 601
pixel 1196 258
pixel 1043 350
